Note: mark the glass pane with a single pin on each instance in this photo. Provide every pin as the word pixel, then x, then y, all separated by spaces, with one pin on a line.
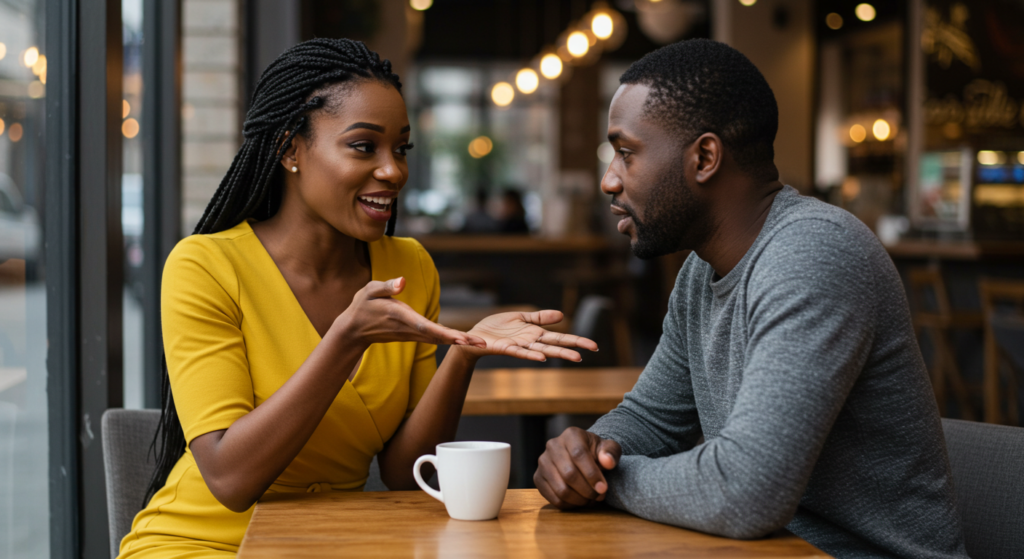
pixel 24 446
pixel 131 204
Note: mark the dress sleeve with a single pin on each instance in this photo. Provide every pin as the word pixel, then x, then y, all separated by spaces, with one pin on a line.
pixel 206 358
pixel 425 363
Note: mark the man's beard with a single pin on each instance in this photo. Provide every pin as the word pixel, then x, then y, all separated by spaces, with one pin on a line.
pixel 674 219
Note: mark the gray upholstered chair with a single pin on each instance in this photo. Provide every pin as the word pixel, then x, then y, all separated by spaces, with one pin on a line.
pixel 373 482
pixel 127 435
pixel 988 472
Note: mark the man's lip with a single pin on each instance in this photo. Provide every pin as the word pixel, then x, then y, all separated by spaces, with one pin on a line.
pixel 619 211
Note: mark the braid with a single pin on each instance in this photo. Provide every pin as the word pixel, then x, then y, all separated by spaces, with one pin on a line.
pixel 285 97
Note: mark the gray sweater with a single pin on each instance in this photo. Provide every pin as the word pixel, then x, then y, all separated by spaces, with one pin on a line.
pixel 801 370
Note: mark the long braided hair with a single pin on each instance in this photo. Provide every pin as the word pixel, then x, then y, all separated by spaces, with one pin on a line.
pixel 301 81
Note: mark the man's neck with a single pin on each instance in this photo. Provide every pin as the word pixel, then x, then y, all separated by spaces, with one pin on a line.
pixel 738 220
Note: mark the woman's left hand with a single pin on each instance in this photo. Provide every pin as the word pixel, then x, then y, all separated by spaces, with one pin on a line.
pixel 521 334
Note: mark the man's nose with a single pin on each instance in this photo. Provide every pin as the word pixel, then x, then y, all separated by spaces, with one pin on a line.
pixel 610 182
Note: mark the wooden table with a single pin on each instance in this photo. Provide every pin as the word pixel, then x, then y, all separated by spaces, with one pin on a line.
pixel 412 524
pixel 548 391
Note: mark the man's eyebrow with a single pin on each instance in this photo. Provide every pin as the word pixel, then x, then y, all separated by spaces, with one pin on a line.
pixel 367 125
pixel 405 129
pixel 617 135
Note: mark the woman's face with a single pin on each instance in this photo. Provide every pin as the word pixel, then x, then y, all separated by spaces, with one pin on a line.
pixel 352 168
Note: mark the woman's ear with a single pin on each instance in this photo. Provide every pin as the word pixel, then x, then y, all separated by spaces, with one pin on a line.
pixel 290 157
pixel 709 153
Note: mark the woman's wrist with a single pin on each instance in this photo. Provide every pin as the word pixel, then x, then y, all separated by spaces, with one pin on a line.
pixel 464 356
pixel 345 329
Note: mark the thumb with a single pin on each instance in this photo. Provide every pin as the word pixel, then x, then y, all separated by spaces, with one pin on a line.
pixel 608 454
pixel 379 289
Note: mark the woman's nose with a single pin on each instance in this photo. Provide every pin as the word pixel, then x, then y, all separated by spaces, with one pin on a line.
pixel 389 171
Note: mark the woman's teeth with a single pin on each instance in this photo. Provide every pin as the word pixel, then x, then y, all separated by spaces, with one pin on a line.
pixel 380 201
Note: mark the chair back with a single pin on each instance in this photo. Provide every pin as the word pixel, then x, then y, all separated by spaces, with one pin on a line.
pixel 128 465
pixel 987 462
pixel 1002 301
pixel 373 481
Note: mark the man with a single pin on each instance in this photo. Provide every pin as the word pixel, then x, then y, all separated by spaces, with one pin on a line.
pixel 787 345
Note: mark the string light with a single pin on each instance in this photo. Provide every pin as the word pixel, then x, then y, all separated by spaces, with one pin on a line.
pixel 30 56
pixel 420 5
pixel 126 108
pixel 480 147
pixel 502 94
pixel 527 80
pixel 578 44
pixel 16 132
pixel 748 2
pixel 834 21
pixel 602 26
pixel 551 66
pixel 130 128
pixel 880 129
pixel 857 133
pixel 985 157
pixel 865 12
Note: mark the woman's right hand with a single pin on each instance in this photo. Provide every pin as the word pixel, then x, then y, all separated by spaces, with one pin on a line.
pixel 374 317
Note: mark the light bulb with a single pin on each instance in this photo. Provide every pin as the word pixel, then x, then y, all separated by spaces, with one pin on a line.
pixel 551 66
pixel 602 26
pixel 527 80
pixel 577 44
pixel 502 94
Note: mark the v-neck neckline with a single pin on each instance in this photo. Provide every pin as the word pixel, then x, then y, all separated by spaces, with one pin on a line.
pixel 370 248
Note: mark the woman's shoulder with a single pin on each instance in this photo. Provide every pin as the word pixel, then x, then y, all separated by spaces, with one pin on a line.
pixel 211 254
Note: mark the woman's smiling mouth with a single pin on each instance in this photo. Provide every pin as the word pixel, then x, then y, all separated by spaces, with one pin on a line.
pixel 377 207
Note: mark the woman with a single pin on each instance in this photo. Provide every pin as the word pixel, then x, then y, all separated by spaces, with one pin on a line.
pixel 277 315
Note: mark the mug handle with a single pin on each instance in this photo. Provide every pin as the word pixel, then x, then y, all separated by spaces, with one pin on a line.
pixel 419 478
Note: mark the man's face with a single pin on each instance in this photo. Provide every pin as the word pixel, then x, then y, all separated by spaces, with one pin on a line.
pixel 647 180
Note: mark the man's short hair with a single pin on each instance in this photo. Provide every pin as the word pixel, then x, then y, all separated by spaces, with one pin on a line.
pixel 700 86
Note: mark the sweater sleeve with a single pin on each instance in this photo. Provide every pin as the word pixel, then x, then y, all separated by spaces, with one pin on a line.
pixel 809 330
pixel 658 417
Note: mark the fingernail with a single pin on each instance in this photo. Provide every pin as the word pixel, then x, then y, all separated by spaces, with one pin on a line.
pixel 601 487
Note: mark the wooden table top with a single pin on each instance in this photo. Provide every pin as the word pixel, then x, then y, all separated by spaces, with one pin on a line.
pixel 548 391
pixel 412 524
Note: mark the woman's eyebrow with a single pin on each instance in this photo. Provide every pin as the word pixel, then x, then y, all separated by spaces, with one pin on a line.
pixel 375 127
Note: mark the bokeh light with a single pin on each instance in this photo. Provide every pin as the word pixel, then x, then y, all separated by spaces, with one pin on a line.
pixel 130 128
pixel 865 12
pixel 602 26
pixel 30 57
pixel 881 129
pixel 834 21
pixel 857 133
pixel 16 132
pixel 551 66
pixel 480 147
pixel 421 5
pixel 502 94
pixel 578 44
pixel 527 80
pixel 605 152
pixel 126 108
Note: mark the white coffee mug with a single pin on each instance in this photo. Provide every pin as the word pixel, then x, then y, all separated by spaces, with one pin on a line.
pixel 473 478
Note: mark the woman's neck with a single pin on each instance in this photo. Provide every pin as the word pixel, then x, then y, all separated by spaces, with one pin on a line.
pixel 311 247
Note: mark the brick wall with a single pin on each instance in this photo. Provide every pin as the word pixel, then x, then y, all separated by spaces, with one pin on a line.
pixel 212 105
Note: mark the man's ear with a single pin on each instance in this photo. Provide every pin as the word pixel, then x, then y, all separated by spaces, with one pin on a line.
pixel 709 152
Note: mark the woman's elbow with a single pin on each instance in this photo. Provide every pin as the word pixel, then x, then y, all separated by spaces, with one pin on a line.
pixel 229 493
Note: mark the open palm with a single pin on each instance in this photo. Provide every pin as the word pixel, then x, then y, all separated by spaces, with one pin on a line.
pixel 522 335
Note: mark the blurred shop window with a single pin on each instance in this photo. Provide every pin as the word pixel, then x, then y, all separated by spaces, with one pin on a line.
pixel 473 159
pixel 24 434
pixel 131 203
pixel 861 135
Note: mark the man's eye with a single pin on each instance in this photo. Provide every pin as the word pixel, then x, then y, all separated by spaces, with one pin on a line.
pixel 624 154
pixel 364 147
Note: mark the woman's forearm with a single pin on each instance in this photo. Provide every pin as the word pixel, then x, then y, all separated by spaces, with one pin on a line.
pixel 239 464
pixel 434 421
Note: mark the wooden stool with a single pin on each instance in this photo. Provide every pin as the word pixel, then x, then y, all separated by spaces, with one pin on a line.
pixel 994 292
pixel 938 318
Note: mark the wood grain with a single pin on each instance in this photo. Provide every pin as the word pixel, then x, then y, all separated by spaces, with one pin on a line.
pixel 548 391
pixel 411 524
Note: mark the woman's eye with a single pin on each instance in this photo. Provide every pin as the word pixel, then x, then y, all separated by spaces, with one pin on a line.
pixel 403 150
pixel 364 147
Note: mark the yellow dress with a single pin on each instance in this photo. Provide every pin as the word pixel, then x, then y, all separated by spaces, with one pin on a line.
pixel 234 333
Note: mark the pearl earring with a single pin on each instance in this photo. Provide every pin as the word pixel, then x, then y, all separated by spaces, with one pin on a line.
pixel 295 169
